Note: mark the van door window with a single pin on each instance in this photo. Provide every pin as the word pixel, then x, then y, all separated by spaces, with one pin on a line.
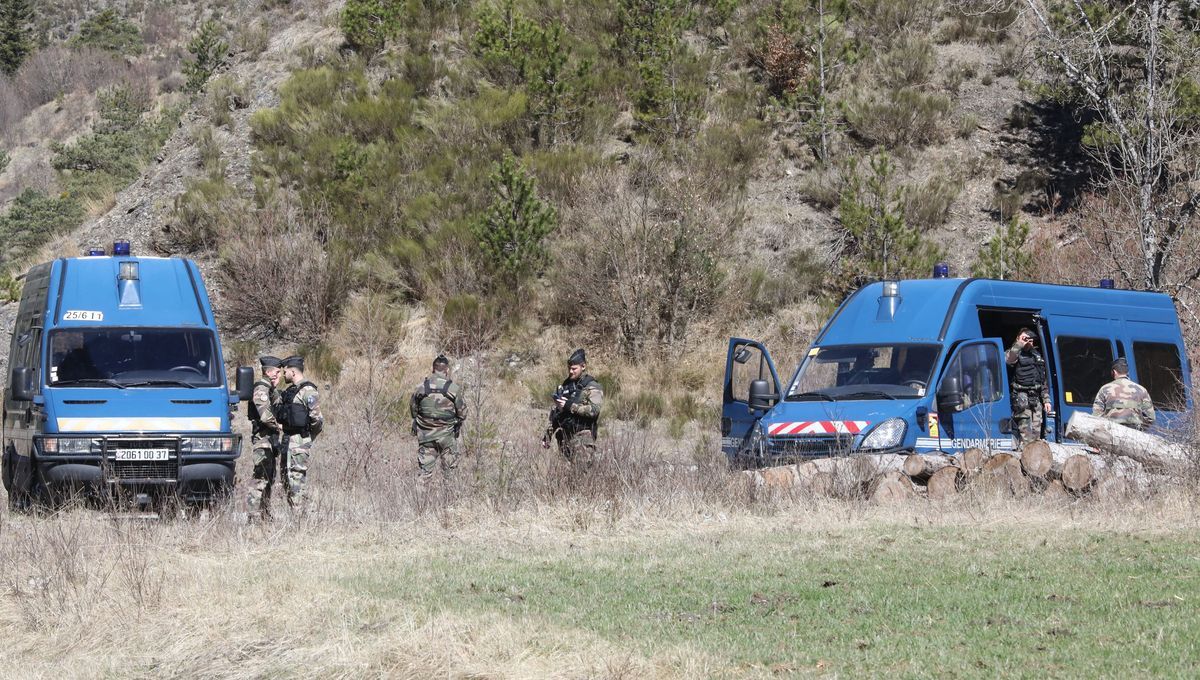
pixel 753 368
pixel 1086 365
pixel 977 368
pixel 1159 370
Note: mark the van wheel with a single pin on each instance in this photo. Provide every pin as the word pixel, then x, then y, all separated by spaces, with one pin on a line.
pixel 7 470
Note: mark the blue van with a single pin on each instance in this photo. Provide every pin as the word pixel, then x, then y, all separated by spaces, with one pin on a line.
pixel 116 385
pixel 918 366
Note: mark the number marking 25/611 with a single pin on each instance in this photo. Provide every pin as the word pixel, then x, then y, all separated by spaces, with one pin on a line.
pixel 82 315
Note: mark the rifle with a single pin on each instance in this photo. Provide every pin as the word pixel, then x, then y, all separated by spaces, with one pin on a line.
pixel 560 415
pixel 282 442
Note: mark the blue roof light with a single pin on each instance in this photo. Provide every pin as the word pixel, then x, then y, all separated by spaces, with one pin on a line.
pixel 121 248
pixel 1107 284
pixel 95 252
pixel 941 270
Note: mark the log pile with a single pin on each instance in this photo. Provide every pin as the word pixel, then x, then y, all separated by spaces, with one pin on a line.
pixel 1128 462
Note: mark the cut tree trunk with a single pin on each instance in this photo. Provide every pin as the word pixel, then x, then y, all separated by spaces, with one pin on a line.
pixel 920 467
pixel 892 487
pixel 1056 490
pixel 944 483
pixel 1045 459
pixel 971 461
pixel 1154 452
pixel 1003 472
pixel 1077 472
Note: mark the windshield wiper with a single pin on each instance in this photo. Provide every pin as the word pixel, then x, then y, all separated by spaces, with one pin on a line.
pixel 109 382
pixel 867 393
pixel 822 395
pixel 161 381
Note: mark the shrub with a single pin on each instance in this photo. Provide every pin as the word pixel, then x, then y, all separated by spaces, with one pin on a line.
pixel 927 205
pixel 225 95
pixel 55 71
pixel 784 63
pixel 203 216
pixel 885 20
pixel 16 34
pixel 642 408
pixel 469 324
pixel 983 21
pixel 33 218
pixel 279 279
pixel 909 63
pixel 5 159
pixel 209 51
pixel 900 118
pixel 1004 255
pixel 107 30
pixel 967 125
pixel 766 291
pixel 252 39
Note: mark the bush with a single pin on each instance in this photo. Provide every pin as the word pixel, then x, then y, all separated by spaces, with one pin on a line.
pixel 252 39
pixel 909 63
pixel 901 118
pixel 225 95
pixel 5 159
pixel 982 21
pixel 783 62
pixel 369 24
pixel 107 30
pixel 510 232
pixel 468 325
pixel 206 214
pixel 885 20
pixel 1004 255
pixel 927 205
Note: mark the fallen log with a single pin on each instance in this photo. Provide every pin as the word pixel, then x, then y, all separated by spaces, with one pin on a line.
pixel 892 487
pixel 1056 491
pixel 1152 451
pixel 1077 472
pixel 822 474
pixel 944 483
pixel 1003 472
pixel 920 467
pixel 1044 460
pixel 971 461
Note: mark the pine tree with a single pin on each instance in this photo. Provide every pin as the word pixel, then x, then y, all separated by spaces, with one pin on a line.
pixel 512 229
pixel 16 34
pixel 209 50
pixel 1003 256
pixel 877 242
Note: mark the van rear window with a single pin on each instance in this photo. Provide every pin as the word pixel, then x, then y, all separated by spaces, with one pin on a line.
pixel 1158 369
pixel 1085 365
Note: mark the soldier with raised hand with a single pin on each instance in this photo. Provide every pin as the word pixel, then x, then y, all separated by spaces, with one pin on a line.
pixel 264 436
pixel 438 411
pixel 300 416
pixel 1030 393
pixel 1123 400
pixel 576 412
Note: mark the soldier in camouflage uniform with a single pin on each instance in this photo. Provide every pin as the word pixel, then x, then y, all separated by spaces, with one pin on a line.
pixel 264 436
pixel 576 411
pixel 1123 400
pixel 438 411
pixel 300 415
pixel 1030 393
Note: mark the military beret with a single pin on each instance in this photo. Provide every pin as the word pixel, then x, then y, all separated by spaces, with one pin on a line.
pixel 270 361
pixel 294 361
pixel 1120 365
pixel 577 358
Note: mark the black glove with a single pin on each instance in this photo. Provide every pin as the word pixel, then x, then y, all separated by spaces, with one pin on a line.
pixel 457 429
pixel 414 427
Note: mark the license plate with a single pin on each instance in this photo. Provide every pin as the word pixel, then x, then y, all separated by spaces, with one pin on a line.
pixel 142 454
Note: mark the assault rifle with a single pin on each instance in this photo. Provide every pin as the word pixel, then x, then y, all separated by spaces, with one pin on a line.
pixel 560 414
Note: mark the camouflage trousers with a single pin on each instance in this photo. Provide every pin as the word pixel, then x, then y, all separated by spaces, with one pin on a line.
pixel 443 450
pixel 266 461
pixel 299 449
pixel 1027 416
pixel 579 448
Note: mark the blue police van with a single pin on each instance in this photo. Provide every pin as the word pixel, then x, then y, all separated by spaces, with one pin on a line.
pixel 919 366
pixel 116 387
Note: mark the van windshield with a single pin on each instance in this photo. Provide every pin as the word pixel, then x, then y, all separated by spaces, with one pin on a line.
pixel 844 372
pixel 133 357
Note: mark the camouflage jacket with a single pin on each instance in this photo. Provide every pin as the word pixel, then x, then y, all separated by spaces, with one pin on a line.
pixel 438 410
pixel 583 410
pixel 1125 402
pixel 265 399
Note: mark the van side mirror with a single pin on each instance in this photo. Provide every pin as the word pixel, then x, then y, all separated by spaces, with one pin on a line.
pixel 245 383
pixel 949 394
pixel 761 396
pixel 21 387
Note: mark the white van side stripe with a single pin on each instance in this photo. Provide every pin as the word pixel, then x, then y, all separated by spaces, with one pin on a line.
pixel 139 424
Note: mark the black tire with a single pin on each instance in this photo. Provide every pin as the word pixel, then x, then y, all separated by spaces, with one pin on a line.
pixel 6 470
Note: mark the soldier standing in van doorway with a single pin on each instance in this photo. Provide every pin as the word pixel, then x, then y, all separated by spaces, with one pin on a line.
pixel 264 436
pixel 1030 393
pixel 438 410
pixel 1123 400
pixel 300 416
pixel 576 410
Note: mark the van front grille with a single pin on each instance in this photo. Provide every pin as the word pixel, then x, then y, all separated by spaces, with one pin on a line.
pixel 159 471
pixel 810 446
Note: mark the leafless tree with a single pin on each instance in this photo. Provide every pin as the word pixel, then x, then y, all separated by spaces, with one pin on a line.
pixel 1128 66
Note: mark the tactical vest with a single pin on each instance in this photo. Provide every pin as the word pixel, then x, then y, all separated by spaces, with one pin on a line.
pixel 1030 370
pixel 570 423
pixel 252 408
pixel 428 389
pixel 293 415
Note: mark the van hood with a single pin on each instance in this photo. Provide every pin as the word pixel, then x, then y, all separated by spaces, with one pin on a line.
pixel 136 409
pixel 819 418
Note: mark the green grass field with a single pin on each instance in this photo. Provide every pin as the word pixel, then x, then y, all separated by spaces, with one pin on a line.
pixel 907 601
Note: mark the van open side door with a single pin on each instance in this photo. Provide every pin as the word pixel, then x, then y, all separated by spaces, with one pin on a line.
pixel 746 362
pixel 973 404
pixel 1084 350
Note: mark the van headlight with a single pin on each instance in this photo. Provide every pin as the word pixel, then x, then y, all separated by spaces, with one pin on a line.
pixel 209 443
pixel 66 445
pixel 886 435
